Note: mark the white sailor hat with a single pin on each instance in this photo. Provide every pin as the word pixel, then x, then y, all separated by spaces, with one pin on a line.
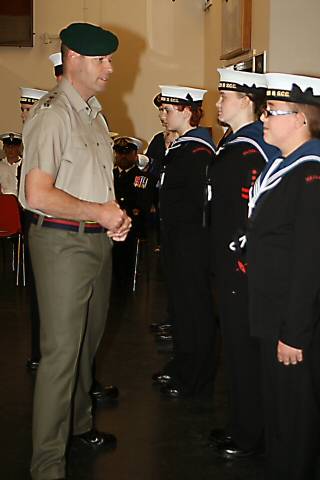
pixel 31 95
pixel 293 88
pixel 241 81
pixel 11 138
pixel 56 59
pixel 126 144
pixel 178 95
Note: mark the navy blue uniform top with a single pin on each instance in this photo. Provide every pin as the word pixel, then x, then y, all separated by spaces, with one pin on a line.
pixel 183 180
pixel 284 250
pixel 238 164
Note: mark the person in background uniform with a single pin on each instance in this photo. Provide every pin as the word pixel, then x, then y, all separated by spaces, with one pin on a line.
pixel 56 60
pixel 160 142
pixel 156 153
pixel 67 183
pixel 184 195
pixel 10 165
pixel 284 282
pixel 98 392
pixel 238 163
pixel 134 190
pixel 28 98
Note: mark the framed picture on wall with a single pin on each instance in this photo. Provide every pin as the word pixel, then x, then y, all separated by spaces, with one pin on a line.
pixel 256 62
pixel 260 62
pixel 236 28
pixel 16 23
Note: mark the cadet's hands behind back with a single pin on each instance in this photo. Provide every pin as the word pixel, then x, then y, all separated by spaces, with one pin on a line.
pixel 289 355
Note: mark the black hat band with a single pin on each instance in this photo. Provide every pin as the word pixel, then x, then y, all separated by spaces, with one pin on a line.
pixel 236 87
pixel 27 100
pixel 179 101
pixel 58 70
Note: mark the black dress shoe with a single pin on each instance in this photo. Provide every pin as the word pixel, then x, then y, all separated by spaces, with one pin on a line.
pixel 172 391
pixel 161 378
pixel 219 436
pixel 101 394
pixel 96 440
pixel 164 338
pixel 156 326
pixel 32 364
pixel 165 329
pixel 229 449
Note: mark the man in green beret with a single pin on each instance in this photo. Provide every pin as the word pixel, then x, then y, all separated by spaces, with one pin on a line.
pixel 67 183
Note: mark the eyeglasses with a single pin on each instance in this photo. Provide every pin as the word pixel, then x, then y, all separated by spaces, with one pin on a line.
pixel 277 113
pixel 167 110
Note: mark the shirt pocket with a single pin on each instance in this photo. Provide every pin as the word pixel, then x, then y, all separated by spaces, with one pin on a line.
pixel 78 148
pixel 74 164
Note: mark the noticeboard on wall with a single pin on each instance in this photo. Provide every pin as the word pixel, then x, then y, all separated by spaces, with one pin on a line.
pixel 16 23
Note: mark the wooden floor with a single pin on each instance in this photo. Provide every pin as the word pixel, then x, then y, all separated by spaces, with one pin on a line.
pixel 158 438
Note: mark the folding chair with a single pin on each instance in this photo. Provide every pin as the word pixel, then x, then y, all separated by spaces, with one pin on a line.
pixel 10 227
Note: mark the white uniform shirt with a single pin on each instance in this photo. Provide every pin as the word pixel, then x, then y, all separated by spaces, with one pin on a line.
pixel 8 176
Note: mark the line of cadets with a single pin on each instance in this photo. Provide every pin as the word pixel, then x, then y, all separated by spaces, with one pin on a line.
pixel 204 196
pixel 269 326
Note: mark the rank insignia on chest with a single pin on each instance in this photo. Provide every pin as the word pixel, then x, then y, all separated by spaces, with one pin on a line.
pixel 312 178
pixel 140 181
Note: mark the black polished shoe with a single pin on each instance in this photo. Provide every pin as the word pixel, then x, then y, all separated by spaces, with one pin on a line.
pixel 161 378
pixel 96 440
pixel 229 449
pixel 102 394
pixel 219 436
pixel 164 338
pixel 172 391
pixel 32 364
pixel 156 326
pixel 165 329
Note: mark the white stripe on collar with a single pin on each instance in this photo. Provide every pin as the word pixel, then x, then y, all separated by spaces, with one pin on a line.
pixel 177 143
pixel 271 180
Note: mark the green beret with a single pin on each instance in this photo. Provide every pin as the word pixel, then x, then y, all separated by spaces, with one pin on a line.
pixel 89 40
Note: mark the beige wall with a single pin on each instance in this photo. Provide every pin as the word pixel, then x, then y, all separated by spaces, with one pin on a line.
pixel 212 35
pixel 260 25
pixel 160 42
pixel 295 38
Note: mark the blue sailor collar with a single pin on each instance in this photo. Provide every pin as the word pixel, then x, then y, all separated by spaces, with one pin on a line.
pixel 252 134
pixel 276 169
pixel 199 134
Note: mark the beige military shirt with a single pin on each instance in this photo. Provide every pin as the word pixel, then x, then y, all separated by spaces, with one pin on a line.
pixel 68 138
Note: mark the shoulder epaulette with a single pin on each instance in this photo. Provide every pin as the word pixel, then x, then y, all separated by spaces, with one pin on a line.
pixel 49 100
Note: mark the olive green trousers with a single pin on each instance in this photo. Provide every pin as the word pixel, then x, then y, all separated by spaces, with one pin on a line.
pixel 73 276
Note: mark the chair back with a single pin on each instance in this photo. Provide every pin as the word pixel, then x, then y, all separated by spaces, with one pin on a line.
pixel 10 216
